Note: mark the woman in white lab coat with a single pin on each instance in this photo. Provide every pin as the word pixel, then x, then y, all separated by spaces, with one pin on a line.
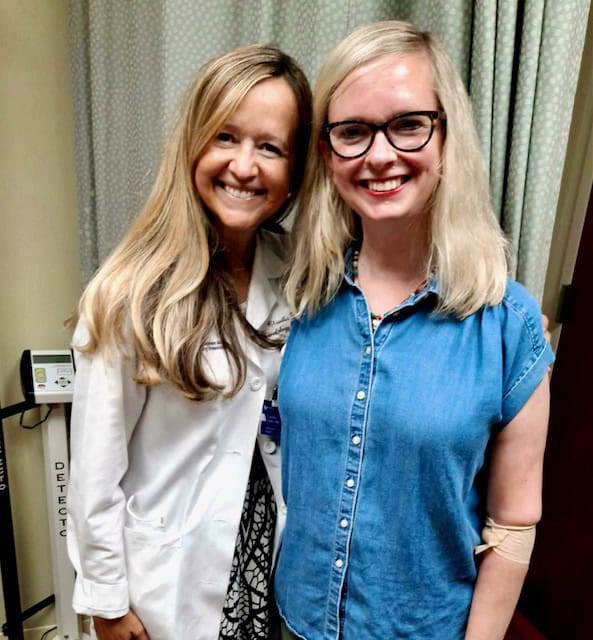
pixel 174 501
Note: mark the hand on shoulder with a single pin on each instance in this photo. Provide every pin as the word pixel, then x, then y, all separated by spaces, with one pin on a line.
pixel 546 324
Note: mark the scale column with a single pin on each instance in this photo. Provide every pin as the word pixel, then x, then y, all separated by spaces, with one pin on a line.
pixel 55 449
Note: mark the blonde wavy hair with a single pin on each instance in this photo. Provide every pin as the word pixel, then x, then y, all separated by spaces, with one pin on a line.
pixel 466 245
pixel 166 285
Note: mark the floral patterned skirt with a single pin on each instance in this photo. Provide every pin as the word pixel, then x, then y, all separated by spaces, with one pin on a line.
pixel 249 612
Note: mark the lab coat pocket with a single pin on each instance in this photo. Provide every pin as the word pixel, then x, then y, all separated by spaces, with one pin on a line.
pixel 153 561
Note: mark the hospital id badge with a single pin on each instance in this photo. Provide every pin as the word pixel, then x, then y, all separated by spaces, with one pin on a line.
pixel 270 420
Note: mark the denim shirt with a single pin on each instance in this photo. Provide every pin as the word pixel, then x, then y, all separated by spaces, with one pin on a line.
pixel 384 435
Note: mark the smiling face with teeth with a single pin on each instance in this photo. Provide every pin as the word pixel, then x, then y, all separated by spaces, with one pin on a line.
pixel 386 184
pixel 244 175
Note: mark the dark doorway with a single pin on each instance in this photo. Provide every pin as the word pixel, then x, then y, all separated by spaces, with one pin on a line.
pixel 558 595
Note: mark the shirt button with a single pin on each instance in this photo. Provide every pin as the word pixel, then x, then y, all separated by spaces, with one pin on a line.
pixel 343 523
pixel 269 446
pixel 361 395
pixel 283 509
pixel 256 384
pixel 368 351
pixel 355 439
pixel 349 483
pixel 339 563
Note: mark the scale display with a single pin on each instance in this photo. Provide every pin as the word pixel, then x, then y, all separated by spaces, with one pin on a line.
pixel 47 376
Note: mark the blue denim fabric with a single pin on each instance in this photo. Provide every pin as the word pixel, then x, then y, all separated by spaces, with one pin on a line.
pixel 383 440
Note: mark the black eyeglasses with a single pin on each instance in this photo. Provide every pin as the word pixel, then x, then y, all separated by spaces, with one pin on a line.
pixel 406 132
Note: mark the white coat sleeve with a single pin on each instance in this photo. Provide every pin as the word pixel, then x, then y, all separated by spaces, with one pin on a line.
pixel 106 407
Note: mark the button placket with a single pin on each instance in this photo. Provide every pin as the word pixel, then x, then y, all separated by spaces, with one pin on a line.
pixel 351 478
pixel 353 469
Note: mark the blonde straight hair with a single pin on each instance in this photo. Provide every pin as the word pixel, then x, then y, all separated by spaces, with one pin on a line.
pixel 166 284
pixel 466 246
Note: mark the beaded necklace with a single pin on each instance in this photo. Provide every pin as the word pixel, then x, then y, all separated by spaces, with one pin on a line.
pixel 377 317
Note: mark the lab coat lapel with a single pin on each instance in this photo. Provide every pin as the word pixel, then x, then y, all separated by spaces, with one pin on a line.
pixel 263 294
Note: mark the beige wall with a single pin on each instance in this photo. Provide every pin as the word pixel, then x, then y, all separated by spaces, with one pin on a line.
pixel 39 273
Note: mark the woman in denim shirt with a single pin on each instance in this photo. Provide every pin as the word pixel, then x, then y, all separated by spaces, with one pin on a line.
pixel 413 391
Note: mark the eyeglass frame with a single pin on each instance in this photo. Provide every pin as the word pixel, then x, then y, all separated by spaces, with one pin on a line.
pixel 434 115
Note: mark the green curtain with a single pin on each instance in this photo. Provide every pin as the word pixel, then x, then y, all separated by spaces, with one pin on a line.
pixel 525 62
pixel 132 60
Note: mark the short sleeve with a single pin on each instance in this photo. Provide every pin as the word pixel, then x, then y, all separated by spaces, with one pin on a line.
pixel 526 353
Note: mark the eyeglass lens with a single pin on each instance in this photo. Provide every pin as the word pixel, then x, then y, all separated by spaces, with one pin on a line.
pixel 405 133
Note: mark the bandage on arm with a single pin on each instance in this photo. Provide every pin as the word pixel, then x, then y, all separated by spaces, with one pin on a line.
pixel 512 542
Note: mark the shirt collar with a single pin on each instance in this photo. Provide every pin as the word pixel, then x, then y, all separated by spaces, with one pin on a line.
pixel 348 258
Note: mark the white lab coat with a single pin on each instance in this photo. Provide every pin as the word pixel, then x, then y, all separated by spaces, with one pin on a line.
pixel 157 481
